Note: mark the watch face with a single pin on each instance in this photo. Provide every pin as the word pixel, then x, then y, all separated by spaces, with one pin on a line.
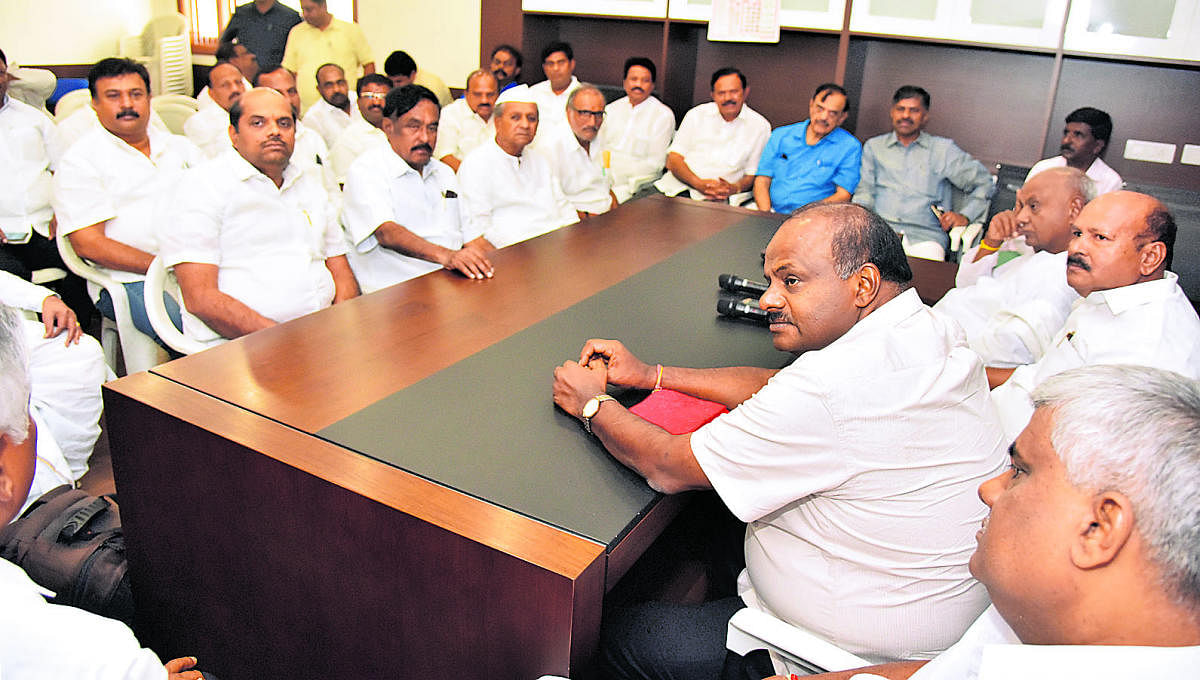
pixel 590 408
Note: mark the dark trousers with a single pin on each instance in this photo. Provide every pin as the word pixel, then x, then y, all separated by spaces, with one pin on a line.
pixel 665 641
pixel 42 253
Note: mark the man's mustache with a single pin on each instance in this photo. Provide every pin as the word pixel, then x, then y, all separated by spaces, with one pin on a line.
pixel 1078 262
pixel 422 147
pixel 128 113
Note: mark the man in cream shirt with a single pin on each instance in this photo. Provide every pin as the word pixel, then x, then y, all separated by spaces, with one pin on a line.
pixel 467 122
pixel 578 159
pixel 254 239
pixel 209 127
pixel 510 192
pixel 637 131
pixel 402 205
pixel 716 150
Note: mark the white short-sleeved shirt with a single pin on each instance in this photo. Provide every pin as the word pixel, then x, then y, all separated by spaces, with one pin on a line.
pixel 103 179
pixel 990 650
pixel 28 154
pixel 270 243
pixel 1147 324
pixel 358 137
pixel 382 187
pixel 208 129
pixel 1011 312
pixel 329 121
pixel 39 640
pixel 857 468
pixel 461 131
pixel 507 199
pixel 552 108
pixel 585 182
pixel 637 138
pixel 714 147
pixel 1105 178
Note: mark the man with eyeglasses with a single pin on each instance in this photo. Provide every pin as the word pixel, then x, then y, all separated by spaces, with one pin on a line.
pixel 402 206
pixel 364 133
pixel 579 162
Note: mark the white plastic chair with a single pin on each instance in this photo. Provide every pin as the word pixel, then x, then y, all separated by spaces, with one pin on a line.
pixel 139 350
pixel 963 239
pixel 71 102
pixel 165 49
pixel 174 110
pixel 158 280
pixel 751 629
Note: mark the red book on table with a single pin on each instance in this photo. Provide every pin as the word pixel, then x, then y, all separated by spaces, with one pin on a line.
pixel 676 412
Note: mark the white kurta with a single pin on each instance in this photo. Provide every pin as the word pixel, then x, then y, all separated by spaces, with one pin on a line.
pixel 461 131
pixel 329 121
pixel 1105 178
pixel 39 640
pixel 103 179
pixel 857 468
pixel 382 187
pixel 552 108
pixel 1147 324
pixel 28 153
pixel 507 199
pixel 585 182
pixel 991 650
pixel 1012 312
pixel 637 139
pixel 716 148
pixel 358 138
pixel 270 243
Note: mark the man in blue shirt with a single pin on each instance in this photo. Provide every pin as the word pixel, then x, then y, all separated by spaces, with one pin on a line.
pixel 810 161
pixel 908 176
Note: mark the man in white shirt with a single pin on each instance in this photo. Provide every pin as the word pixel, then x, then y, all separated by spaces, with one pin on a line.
pixel 466 123
pixel 255 240
pixel 855 466
pixel 1089 552
pixel 335 110
pixel 402 207
pixel 32 642
pixel 578 159
pixel 715 153
pixel 363 133
pixel 509 191
pixel 29 152
pixel 239 56
pixel 637 131
pixel 558 63
pixel 116 182
pixel 67 369
pixel 209 127
pixel 1132 312
pixel 1012 311
pixel 310 148
pixel 1085 137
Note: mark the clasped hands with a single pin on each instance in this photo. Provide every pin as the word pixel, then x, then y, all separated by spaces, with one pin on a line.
pixel 601 363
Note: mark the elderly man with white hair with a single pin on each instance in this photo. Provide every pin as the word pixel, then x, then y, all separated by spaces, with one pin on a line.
pixel 509 192
pixel 1091 550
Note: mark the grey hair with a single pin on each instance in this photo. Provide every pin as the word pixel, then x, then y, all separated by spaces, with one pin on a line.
pixel 1136 430
pixel 14 377
pixel 584 87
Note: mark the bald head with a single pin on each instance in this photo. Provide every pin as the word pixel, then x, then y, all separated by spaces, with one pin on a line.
pixel 263 130
pixel 1119 239
pixel 1047 206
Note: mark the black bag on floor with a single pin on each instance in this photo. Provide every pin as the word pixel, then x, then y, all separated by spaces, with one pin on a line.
pixel 71 542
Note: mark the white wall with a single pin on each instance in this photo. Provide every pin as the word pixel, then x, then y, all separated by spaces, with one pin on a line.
pixel 442 36
pixel 72 31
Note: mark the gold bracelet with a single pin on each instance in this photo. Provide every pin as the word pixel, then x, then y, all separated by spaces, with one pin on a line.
pixel 984 246
pixel 658 380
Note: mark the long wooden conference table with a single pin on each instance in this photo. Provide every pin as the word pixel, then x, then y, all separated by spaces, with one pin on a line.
pixel 384 489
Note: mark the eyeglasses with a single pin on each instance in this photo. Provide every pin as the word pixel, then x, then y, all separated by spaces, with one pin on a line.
pixel 373 95
pixel 598 115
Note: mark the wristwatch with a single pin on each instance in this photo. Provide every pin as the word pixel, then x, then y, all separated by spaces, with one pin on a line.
pixel 590 409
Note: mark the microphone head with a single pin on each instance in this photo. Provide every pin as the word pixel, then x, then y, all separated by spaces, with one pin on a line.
pixel 725 281
pixel 725 306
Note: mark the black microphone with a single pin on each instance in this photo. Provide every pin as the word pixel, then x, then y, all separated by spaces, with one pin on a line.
pixel 746 308
pixel 736 284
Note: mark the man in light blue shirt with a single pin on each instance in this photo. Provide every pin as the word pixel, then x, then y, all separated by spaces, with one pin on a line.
pixel 811 161
pixel 908 175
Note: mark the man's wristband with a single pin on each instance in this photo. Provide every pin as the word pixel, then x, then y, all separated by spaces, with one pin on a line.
pixel 658 379
pixel 983 245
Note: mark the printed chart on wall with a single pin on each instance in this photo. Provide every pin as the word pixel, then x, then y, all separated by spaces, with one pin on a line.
pixel 744 21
